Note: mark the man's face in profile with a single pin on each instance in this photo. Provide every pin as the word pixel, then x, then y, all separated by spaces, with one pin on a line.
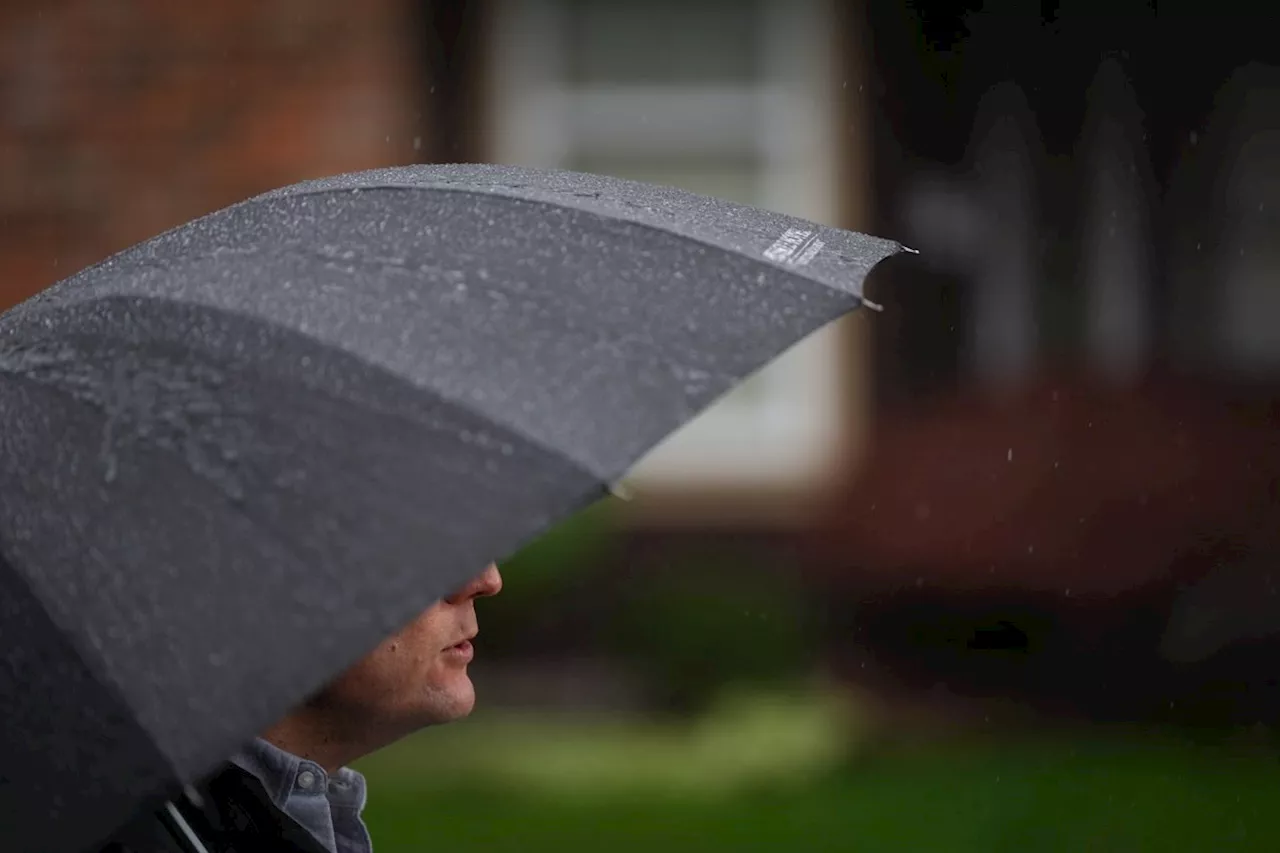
pixel 417 677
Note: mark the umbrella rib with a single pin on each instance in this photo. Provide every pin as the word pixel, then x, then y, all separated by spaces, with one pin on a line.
pixel 27 369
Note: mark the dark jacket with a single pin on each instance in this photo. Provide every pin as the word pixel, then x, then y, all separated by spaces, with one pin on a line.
pixel 235 816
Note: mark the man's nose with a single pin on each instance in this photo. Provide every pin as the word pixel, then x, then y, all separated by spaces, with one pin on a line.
pixel 483 585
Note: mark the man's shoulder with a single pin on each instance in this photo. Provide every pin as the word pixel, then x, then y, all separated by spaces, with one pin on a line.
pixel 230 812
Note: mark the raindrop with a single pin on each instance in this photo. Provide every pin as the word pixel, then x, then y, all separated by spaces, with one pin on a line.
pixel 1031 549
pixel 417 143
pixel 919 582
pixel 1010 456
pixel 1195 137
pixel 1197 247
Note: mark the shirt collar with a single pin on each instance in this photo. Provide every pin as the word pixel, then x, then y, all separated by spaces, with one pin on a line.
pixel 279 771
pixel 335 818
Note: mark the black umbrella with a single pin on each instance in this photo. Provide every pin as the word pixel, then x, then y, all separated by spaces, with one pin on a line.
pixel 237 456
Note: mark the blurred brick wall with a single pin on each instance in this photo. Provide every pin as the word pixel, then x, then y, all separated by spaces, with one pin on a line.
pixel 121 119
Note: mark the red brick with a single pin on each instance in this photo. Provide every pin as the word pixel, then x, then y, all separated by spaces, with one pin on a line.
pixel 158 112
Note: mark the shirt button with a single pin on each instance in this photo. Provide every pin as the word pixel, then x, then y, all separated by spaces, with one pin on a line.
pixel 306 779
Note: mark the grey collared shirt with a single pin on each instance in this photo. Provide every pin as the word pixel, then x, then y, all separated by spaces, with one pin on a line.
pixel 328 807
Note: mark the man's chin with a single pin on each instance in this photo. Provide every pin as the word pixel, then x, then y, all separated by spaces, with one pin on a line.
pixel 453 701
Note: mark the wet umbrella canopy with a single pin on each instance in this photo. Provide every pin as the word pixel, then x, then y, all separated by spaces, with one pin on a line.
pixel 235 457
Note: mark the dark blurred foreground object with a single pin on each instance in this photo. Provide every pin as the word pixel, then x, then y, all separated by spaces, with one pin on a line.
pixel 1093 550
pixel 229 813
pixel 237 456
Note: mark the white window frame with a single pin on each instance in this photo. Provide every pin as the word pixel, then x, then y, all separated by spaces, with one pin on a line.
pixel 791 433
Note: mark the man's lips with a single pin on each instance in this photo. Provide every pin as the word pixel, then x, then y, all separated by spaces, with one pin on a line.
pixel 461 653
pixel 464 643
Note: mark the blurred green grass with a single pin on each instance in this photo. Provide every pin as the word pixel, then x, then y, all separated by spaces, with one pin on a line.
pixel 784 773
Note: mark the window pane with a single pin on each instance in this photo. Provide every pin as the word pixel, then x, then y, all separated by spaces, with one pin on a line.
pixel 662 41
